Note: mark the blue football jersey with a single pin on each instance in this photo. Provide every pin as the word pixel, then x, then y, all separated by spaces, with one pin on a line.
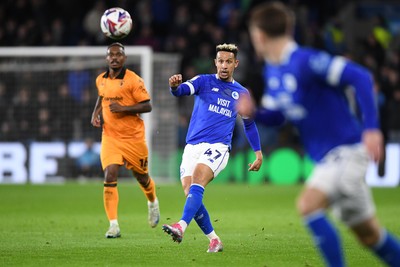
pixel 214 113
pixel 311 88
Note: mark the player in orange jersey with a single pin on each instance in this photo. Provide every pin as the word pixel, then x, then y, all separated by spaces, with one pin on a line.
pixel 122 98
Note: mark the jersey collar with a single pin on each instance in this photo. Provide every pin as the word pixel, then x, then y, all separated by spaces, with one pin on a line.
pixel 287 51
pixel 216 77
pixel 121 75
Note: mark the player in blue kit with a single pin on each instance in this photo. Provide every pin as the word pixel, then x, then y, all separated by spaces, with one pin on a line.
pixel 310 88
pixel 209 138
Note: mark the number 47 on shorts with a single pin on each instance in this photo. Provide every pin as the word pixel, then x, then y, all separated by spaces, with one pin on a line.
pixel 212 156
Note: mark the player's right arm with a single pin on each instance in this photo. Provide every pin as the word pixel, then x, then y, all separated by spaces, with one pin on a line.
pixel 175 81
pixel 177 88
pixel 96 112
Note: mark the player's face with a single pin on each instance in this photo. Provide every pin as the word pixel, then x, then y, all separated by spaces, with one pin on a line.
pixel 115 57
pixel 226 64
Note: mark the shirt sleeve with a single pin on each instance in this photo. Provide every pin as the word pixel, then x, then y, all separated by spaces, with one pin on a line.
pixel 252 134
pixel 98 83
pixel 269 117
pixel 338 72
pixel 189 87
pixel 140 92
pixel 361 81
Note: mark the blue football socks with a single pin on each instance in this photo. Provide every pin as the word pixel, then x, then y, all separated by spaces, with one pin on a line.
pixel 202 219
pixel 388 249
pixel 325 238
pixel 194 201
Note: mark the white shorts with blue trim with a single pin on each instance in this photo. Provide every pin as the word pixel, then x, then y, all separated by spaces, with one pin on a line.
pixel 341 176
pixel 214 156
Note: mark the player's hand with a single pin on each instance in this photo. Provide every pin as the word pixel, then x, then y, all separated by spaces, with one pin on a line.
pixel 256 165
pixel 96 122
pixel 373 141
pixel 245 106
pixel 175 80
pixel 115 107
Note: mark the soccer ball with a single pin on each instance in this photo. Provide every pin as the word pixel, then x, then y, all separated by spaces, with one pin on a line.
pixel 116 23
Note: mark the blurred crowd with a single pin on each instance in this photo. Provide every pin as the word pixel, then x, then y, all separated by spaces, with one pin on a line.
pixel 359 31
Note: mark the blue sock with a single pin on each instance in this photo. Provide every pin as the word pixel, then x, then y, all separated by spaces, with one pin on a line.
pixel 325 238
pixel 388 249
pixel 203 220
pixel 193 202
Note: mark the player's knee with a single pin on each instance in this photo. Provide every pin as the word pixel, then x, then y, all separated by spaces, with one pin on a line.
pixel 111 175
pixel 306 207
pixel 310 201
pixel 302 207
pixel 368 233
pixel 142 179
pixel 369 239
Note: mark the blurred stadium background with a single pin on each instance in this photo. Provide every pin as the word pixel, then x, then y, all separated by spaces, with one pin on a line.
pixel 52 51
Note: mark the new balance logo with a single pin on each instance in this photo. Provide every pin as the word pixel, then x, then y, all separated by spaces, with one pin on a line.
pixel 215 89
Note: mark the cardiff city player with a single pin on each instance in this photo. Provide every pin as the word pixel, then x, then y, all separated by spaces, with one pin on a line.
pixel 308 88
pixel 209 138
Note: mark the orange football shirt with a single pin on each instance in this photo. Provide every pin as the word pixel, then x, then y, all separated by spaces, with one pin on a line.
pixel 128 89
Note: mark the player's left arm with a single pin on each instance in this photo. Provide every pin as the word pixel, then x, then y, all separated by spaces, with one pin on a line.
pixel 360 79
pixel 373 141
pixel 252 135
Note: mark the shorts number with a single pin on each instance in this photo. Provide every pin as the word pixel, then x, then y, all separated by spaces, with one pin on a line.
pixel 143 163
pixel 210 153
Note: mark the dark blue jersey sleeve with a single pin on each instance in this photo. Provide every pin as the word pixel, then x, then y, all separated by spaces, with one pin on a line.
pixel 341 73
pixel 181 90
pixel 361 81
pixel 252 134
pixel 269 117
pixel 187 88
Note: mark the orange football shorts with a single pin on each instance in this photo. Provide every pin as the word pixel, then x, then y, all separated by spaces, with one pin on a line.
pixel 130 152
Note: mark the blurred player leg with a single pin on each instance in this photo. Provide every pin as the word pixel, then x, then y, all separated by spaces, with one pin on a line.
pixel 325 238
pixel 377 239
pixel 388 249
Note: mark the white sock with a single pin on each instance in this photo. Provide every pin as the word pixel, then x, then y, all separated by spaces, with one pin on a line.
pixel 183 224
pixel 212 235
pixel 113 222
pixel 151 204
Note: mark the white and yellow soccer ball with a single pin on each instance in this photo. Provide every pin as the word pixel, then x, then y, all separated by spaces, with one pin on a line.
pixel 116 23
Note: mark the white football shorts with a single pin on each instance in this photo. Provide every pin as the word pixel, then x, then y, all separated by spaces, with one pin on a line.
pixel 214 156
pixel 341 176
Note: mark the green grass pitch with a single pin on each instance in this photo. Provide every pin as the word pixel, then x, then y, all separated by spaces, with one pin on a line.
pixel 64 225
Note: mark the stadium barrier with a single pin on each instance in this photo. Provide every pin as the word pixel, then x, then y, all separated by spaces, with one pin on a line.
pixel 42 162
